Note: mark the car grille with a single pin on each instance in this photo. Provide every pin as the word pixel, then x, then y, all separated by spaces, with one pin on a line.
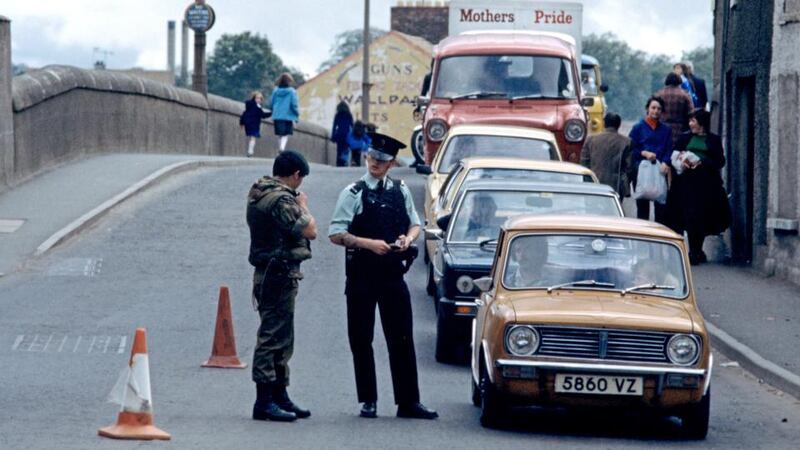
pixel 618 345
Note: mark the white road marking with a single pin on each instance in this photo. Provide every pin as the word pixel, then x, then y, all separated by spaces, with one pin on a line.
pixel 17 342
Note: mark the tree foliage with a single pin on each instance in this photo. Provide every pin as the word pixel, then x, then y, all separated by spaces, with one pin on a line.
pixel 244 62
pixel 633 75
pixel 347 43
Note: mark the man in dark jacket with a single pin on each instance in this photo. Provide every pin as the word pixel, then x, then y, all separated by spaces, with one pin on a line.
pixel 280 229
pixel 677 105
pixel 608 155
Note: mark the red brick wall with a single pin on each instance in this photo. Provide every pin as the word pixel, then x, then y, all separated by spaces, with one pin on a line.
pixel 428 22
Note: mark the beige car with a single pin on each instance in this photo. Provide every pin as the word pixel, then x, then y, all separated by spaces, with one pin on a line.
pixel 584 311
pixel 464 141
pixel 487 167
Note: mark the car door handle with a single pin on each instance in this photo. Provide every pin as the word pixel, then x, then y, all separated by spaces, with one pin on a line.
pixel 479 302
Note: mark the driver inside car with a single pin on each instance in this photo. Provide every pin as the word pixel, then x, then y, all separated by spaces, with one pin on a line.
pixel 481 224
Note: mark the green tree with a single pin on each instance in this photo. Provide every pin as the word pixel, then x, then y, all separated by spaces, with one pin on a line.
pixel 347 43
pixel 244 62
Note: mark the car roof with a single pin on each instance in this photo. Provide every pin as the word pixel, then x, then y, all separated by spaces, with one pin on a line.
pixel 504 162
pixel 537 186
pixel 587 60
pixel 501 43
pixel 603 224
pixel 502 130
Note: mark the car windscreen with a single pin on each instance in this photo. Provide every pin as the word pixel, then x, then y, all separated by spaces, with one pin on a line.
pixel 588 81
pixel 595 262
pixel 482 212
pixel 467 145
pixel 505 76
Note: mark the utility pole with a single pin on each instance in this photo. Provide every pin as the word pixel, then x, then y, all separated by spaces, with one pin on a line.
pixel 365 68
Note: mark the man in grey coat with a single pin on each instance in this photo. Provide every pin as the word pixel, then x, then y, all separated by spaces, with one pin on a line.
pixel 608 155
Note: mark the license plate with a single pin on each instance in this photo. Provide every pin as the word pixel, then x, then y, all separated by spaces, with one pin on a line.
pixel 602 385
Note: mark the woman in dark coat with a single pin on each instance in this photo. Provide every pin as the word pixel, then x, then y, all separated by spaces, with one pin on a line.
pixel 342 123
pixel 250 120
pixel 697 202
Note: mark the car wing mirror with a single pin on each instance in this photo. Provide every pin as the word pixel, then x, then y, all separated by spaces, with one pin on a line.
pixel 433 234
pixel 422 101
pixel 424 169
pixel 603 88
pixel 484 283
pixel 587 102
pixel 443 222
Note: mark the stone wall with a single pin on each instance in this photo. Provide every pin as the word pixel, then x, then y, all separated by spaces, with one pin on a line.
pixel 784 114
pixel 425 21
pixel 62 113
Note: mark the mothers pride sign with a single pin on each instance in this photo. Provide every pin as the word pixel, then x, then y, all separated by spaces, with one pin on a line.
pixel 558 17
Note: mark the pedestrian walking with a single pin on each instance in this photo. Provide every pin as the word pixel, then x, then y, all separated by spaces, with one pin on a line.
pixel 285 108
pixel 375 220
pixel 342 124
pixel 677 105
pixel 281 227
pixel 608 155
pixel 682 71
pixel 697 202
pixel 699 86
pixel 651 140
pixel 358 142
pixel 250 120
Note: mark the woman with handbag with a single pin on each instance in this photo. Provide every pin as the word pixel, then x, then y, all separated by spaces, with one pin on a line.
pixel 697 202
pixel 651 140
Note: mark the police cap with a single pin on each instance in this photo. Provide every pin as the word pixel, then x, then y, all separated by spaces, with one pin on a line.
pixel 383 147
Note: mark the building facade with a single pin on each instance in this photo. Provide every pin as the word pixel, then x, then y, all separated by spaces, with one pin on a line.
pixel 426 19
pixel 758 83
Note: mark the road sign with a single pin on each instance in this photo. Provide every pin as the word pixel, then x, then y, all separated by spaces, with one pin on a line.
pixel 200 17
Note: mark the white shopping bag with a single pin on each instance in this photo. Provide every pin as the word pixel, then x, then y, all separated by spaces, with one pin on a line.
pixel 651 184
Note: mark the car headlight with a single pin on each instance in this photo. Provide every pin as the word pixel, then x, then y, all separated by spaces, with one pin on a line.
pixel 575 130
pixel 522 340
pixel 683 349
pixel 464 284
pixel 436 130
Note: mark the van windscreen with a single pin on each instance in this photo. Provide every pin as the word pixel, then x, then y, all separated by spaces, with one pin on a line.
pixel 504 76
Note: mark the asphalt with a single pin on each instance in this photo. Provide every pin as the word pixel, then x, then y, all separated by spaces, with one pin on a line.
pixel 753 320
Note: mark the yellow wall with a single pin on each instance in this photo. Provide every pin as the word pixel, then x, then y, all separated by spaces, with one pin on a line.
pixel 398 63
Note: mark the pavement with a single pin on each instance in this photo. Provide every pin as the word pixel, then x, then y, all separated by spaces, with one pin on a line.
pixel 753 320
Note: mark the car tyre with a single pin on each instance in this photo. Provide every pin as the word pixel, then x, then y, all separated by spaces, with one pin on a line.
pixel 695 419
pixel 492 406
pixel 476 393
pixel 430 288
pixel 416 146
pixel 444 339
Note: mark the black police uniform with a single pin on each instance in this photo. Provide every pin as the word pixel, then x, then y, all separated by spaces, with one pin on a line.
pixel 374 279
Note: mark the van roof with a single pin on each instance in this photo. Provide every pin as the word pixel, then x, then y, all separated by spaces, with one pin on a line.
pixel 508 42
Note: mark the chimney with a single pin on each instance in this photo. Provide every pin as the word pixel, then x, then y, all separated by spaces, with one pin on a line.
pixel 171 47
pixel 184 53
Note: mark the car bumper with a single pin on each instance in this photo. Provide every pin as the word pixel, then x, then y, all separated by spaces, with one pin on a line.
pixel 533 382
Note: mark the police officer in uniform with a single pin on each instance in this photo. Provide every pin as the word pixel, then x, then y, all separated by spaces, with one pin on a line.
pixel 376 221
pixel 280 230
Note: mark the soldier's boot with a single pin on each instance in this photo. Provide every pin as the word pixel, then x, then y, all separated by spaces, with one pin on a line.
pixel 282 399
pixel 265 407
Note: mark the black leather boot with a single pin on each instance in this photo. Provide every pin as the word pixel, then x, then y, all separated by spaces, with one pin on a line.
pixel 265 407
pixel 282 399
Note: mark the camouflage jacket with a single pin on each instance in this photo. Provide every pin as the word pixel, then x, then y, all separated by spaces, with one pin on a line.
pixel 276 223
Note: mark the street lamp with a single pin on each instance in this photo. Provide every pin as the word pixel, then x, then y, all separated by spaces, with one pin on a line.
pixel 365 68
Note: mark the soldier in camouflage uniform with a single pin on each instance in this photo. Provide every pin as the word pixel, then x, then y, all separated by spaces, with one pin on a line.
pixel 281 227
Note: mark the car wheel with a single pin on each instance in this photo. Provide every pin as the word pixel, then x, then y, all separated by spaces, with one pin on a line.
pixel 431 287
pixel 416 146
pixel 476 393
pixel 492 407
pixel 695 419
pixel 444 339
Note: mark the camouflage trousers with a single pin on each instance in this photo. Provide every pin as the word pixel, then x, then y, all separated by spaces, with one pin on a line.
pixel 274 295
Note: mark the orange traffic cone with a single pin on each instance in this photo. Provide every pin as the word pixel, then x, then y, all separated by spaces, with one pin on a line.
pixel 223 351
pixel 135 419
